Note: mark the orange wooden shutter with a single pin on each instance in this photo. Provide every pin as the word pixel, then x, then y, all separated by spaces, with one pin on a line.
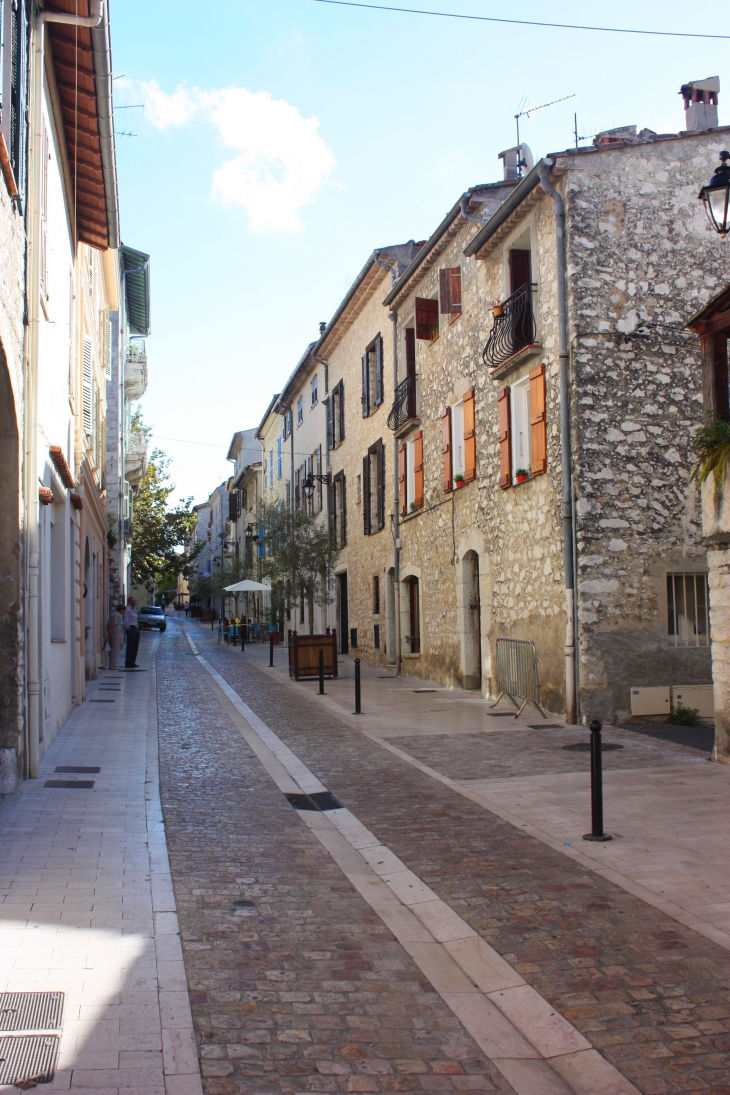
pixel 446 447
pixel 402 479
pixel 538 424
pixel 470 440
pixel 418 468
pixel 505 441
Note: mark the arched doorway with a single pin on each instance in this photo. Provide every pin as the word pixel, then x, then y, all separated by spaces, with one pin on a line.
pixel 10 588
pixel 472 622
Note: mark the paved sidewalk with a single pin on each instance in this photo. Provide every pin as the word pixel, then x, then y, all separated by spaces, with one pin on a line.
pixel 647 992
pixel 86 904
pixel 665 805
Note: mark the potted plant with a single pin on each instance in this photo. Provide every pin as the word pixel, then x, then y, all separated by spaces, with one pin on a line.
pixel 497 308
pixel 458 480
pixel 412 506
pixel 522 475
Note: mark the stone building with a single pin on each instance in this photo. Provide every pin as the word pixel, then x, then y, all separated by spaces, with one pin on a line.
pixel 490 321
pixel 356 352
pixel 712 324
pixel 245 452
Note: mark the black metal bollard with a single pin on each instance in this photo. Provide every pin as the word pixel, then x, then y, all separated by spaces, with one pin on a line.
pixel 321 672
pixel 271 649
pixel 243 639
pixel 597 832
pixel 358 708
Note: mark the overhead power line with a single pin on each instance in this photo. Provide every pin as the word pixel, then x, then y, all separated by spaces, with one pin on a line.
pixel 521 22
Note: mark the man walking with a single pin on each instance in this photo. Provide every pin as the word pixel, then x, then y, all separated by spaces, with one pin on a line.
pixel 131 627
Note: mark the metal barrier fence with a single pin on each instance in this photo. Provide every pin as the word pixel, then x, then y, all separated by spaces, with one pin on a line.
pixel 517 673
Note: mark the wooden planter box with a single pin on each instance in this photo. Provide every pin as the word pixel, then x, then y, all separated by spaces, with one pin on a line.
pixel 304 655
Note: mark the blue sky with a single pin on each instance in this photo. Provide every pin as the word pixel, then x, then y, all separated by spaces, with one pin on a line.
pixel 283 140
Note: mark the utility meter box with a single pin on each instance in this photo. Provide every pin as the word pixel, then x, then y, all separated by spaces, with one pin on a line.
pixel 698 696
pixel 650 701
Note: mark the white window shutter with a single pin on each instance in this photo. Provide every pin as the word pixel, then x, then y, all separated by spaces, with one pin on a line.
pixel 87 388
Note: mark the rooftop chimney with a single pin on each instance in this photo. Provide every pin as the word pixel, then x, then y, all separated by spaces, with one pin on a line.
pixel 700 104
pixel 322 327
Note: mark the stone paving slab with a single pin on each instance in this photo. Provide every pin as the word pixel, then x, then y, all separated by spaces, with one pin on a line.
pixel 648 993
pixel 81 875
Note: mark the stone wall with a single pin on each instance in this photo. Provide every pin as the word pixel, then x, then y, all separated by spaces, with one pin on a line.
pixel 12 242
pixel 639 251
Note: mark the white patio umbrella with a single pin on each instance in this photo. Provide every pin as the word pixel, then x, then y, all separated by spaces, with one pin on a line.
pixel 248 587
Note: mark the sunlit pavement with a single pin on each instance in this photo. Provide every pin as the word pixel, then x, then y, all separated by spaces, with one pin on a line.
pixel 87 906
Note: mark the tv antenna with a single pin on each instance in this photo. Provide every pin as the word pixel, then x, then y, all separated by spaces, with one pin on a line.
pixel 525 111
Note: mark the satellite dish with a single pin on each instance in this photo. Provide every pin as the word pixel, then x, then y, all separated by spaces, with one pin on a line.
pixel 528 160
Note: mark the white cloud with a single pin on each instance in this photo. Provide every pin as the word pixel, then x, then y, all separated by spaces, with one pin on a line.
pixel 281 162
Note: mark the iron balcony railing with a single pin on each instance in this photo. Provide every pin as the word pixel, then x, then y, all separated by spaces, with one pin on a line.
pixel 513 329
pixel 404 404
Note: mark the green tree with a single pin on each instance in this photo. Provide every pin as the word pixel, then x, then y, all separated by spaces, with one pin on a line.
pixel 159 531
pixel 298 556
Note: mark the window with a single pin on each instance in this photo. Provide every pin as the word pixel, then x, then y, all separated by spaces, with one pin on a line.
pixel 13 81
pixel 522 427
pixel 687 609
pixel 450 292
pixel 313 388
pixel 427 319
pixel 336 416
pixel 278 457
pixel 271 469
pixel 414 623
pixel 338 511
pixel 410 474
pixel 376 595
pixel 373 489
pixel 372 377
pixel 520 400
pixel 87 387
pixel 300 410
pixel 376 636
pixel 458 442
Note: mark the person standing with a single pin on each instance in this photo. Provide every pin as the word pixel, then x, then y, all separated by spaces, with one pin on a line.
pixel 131 627
pixel 114 634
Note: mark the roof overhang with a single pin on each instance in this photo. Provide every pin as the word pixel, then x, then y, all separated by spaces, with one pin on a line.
pixel 267 414
pixel 136 274
pixel 714 318
pixel 82 64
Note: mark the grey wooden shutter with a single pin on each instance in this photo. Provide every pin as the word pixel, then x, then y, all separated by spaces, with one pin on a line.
pixel 341 386
pixel 330 414
pixel 319 481
pixel 365 385
pixel 380 472
pixel 331 510
pixel 366 516
pixel 343 513
pixel 379 387
pixel 87 386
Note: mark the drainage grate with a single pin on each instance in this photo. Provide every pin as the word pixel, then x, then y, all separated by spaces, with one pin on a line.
pixel 78 768
pixel 585 747
pixel 501 714
pixel 300 802
pixel 321 800
pixel 325 800
pixel 102 701
pixel 30 1011
pixel 28 1058
pixel 547 726
pixel 424 689
pixel 76 784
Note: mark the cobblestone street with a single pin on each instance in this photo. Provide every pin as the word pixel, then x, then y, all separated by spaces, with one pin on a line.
pixel 296 981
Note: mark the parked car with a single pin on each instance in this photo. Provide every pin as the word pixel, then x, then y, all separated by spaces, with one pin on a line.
pixel 152 616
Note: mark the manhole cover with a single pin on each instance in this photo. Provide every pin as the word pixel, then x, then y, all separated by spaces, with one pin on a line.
pixel 31 1011
pixel 29 1057
pixel 585 747
pixel 80 769
pixel 69 784
pixel 300 802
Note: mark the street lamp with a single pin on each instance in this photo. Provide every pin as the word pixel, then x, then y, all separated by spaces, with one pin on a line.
pixel 716 197
pixel 308 484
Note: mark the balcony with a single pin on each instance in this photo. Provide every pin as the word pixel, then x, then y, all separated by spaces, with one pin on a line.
pixel 404 405
pixel 135 456
pixel 135 371
pixel 513 330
